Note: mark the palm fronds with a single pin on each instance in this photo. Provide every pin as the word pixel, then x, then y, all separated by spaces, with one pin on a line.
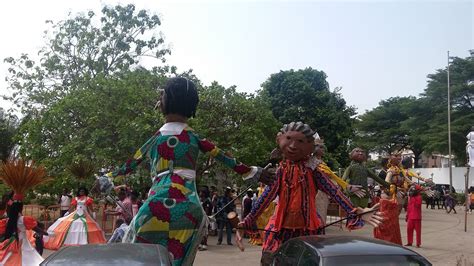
pixel 22 176
pixel 81 169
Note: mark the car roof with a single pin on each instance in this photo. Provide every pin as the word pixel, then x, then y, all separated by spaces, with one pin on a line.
pixel 329 246
pixel 110 254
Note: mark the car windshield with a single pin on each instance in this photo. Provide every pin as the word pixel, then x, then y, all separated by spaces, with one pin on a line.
pixel 387 260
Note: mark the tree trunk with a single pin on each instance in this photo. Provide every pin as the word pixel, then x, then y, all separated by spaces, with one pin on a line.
pixel 417 154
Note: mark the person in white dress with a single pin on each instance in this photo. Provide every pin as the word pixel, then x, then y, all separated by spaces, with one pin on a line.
pixel 76 228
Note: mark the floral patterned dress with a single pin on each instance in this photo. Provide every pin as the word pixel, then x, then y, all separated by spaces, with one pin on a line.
pixel 172 215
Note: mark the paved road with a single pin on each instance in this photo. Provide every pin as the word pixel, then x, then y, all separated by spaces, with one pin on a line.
pixel 444 242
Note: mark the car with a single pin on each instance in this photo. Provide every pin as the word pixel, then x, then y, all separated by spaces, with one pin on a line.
pixel 110 254
pixel 342 250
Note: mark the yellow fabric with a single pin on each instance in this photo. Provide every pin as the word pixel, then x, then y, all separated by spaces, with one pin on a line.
pixel 162 164
pixel 182 188
pixel 181 235
pixel 214 152
pixel 138 155
pixel 325 169
pixel 155 225
pixel 411 174
pixel 266 215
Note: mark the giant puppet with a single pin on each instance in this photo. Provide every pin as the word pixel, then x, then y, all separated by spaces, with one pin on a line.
pixel 298 178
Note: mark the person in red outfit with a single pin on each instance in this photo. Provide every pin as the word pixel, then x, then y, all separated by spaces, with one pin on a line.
pixel 413 217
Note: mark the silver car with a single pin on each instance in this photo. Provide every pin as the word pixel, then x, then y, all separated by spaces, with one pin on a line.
pixel 110 254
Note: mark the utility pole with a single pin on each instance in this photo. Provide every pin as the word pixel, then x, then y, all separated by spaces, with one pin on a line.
pixel 449 134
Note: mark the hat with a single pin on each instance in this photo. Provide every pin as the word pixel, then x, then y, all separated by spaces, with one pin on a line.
pixel 250 190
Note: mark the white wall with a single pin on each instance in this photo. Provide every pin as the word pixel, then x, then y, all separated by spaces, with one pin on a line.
pixel 441 176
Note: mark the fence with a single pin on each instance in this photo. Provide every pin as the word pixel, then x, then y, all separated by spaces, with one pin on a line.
pixel 48 215
pixel 335 212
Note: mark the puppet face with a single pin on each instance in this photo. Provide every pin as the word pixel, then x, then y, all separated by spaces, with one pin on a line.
pixel 319 150
pixel 295 146
pixel 358 155
pixel 395 159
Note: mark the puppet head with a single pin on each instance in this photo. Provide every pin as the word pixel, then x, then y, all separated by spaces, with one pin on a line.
pixel 296 141
pixel 407 162
pixel 319 147
pixel 395 158
pixel 358 155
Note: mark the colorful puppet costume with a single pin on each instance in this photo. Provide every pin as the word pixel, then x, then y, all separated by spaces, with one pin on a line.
pixel 256 238
pixel 357 173
pixel 172 215
pixel 19 252
pixel 389 230
pixel 296 186
pixel 77 228
pixel 16 249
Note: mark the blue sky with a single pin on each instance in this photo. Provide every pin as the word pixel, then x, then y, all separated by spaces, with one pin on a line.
pixel 373 50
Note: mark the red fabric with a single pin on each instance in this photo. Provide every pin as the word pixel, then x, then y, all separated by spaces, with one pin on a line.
pixel 29 222
pixel 297 191
pixel 18 197
pixel 414 225
pixel 89 202
pixel 375 200
pixel 3 226
pixel 389 230
pixel 414 208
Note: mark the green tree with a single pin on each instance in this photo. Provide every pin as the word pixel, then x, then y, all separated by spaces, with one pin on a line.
pixel 238 123
pixel 8 129
pixel 87 98
pixel 79 51
pixel 104 123
pixel 380 129
pixel 396 124
pixel 304 95
pixel 420 124
pixel 462 104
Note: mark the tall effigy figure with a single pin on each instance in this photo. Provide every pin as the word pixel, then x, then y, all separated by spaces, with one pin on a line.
pixel 322 199
pixel 172 215
pixel 357 174
pixel 298 179
pixel 392 202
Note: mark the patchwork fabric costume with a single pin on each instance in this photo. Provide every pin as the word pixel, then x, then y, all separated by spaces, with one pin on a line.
pixel 172 215
pixel 296 186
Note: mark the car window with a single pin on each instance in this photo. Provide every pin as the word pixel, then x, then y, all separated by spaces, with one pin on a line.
pixel 289 254
pixel 308 258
